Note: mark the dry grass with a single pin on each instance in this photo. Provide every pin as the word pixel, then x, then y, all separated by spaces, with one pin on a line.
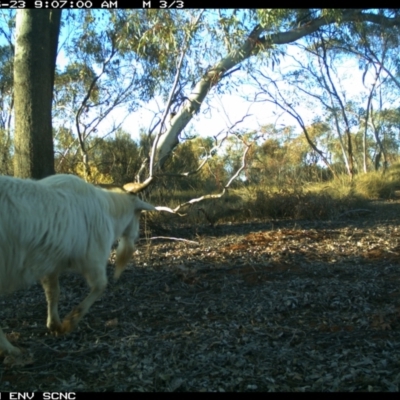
pixel 261 203
pixel 297 200
pixel 375 185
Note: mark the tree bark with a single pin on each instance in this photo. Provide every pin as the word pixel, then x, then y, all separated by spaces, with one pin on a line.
pixel 34 68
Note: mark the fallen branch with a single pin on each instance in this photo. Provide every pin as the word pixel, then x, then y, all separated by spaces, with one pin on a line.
pixel 172 238
pixel 170 210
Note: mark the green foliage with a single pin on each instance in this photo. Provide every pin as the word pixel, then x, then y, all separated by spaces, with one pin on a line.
pixel 117 158
pixel 6 162
pixel 6 109
pixel 124 58
pixel 275 19
pixel 111 160
pixel 119 58
pixel 6 105
pixel 6 69
pixel 186 160
pixel 285 157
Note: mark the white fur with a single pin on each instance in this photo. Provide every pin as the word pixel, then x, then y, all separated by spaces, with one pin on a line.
pixel 62 223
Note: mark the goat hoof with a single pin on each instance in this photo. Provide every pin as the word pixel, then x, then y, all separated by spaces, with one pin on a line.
pixel 71 320
pixel 55 328
pixel 67 326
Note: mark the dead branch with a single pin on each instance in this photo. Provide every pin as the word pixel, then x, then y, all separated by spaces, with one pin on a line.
pixel 204 162
pixel 167 209
pixel 81 135
pixel 219 195
pixel 171 238
pixel 210 153
pixel 189 173
pixel 289 108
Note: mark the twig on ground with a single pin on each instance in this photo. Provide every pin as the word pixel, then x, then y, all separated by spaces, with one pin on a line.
pixel 173 238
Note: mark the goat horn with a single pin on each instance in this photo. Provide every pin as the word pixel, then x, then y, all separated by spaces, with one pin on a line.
pixel 135 187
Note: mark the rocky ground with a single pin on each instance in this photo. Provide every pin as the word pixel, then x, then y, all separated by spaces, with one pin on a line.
pixel 259 306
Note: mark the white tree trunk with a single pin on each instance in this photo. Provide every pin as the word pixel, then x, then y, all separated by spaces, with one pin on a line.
pixel 254 43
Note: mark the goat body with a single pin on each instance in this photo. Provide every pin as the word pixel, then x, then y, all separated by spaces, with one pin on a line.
pixel 62 223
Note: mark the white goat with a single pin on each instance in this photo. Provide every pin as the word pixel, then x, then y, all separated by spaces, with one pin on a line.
pixel 63 223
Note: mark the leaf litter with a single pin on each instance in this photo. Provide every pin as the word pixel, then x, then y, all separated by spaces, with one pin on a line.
pixel 259 306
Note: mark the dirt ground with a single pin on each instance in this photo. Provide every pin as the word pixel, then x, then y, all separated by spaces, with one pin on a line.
pixel 260 306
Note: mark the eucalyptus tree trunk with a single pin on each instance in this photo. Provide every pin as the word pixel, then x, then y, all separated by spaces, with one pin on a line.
pixel 34 68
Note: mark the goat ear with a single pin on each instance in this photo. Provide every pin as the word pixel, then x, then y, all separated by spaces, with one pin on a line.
pixel 141 205
pixel 135 187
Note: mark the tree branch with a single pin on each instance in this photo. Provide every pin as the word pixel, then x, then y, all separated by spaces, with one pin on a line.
pixel 253 44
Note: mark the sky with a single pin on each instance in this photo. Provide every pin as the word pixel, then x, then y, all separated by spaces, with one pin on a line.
pixel 224 110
